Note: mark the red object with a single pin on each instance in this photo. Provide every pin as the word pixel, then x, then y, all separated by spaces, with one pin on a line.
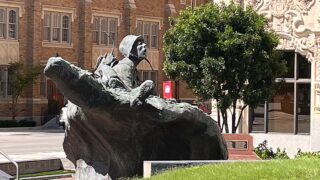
pixel 167 89
pixel 240 147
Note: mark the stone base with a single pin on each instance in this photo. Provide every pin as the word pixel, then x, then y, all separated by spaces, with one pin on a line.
pixel 85 172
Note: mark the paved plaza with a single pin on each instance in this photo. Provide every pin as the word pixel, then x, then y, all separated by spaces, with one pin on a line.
pixel 22 145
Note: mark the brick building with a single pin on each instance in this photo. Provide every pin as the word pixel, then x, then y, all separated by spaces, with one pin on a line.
pixel 31 31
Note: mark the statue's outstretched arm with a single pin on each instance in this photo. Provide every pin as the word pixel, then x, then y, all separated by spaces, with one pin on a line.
pixel 76 84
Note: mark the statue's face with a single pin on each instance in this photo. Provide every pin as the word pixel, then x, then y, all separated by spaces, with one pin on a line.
pixel 141 49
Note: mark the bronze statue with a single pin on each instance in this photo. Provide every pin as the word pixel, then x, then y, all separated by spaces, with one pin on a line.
pixel 113 123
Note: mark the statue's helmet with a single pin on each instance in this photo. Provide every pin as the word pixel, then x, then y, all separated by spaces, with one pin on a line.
pixel 127 43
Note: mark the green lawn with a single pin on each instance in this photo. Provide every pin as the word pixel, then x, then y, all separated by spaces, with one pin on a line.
pixel 275 169
pixel 46 173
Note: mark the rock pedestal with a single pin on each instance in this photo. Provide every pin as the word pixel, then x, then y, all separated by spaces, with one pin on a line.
pixel 108 134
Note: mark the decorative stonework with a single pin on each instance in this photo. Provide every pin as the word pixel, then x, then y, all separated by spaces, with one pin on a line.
pixel 287 19
pixel 9 52
pixel 305 5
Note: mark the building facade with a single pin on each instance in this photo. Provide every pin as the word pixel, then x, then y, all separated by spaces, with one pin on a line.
pixel 79 31
pixel 291 119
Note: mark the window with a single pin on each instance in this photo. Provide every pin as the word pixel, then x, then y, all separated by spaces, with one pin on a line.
pixel 150 32
pixel 8 23
pixel 288 111
pixel 5 89
pixel 148 75
pixel 56 27
pixel 104 30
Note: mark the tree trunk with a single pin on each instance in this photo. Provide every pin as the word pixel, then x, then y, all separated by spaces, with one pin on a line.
pixel 234 108
pixel 219 121
pixel 239 119
pixel 225 119
pixel 14 107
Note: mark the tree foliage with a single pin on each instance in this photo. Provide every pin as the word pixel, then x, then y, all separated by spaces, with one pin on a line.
pixel 20 78
pixel 223 52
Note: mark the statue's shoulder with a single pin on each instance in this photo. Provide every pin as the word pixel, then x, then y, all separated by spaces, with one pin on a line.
pixel 124 63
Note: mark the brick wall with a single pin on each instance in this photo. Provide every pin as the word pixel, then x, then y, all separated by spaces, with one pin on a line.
pixel 33 50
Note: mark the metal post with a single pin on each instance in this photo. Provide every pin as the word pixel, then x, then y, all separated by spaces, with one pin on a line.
pixel 15 163
pixel 295 105
pixel 266 117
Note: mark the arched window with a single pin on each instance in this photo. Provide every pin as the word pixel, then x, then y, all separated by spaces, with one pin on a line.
pixel 2 23
pixel 8 23
pixel 12 24
pixel 65 28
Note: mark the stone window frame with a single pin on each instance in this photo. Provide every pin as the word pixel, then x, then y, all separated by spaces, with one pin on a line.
pixel 64 11
pixel 150 30
pixel 6 24
pixel 19 7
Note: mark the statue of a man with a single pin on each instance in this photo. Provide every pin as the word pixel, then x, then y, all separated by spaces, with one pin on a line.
pixel 111 120
pixel 123 73
pixel 134 51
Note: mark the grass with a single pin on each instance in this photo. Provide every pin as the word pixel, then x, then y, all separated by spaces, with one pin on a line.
pixel 273 169
pixel 46 173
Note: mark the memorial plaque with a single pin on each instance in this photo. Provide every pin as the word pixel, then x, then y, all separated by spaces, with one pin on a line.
pixel 237 144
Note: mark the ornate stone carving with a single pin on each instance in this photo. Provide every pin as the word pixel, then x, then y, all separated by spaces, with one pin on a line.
pixel 286 18
pixel 256 4
pixel 279 7
pixel 305 5
pixel 9 52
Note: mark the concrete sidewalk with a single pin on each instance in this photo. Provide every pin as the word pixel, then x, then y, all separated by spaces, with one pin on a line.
pixel 32 144
pixel 33 149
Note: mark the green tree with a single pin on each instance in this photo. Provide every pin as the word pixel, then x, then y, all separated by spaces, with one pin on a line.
pixel 20 78
pixel 224 52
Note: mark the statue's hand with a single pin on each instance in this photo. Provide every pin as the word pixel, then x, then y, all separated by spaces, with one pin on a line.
pixel 139 94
